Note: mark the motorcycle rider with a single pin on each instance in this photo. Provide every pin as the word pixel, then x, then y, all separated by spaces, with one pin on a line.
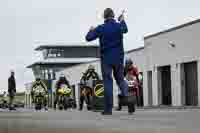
pixel 86 85
pixel 11 90
pixel 62 80
pixel 130 71
pixel 84 95
pixel 130 68
pixel 39 82
pixel 110 35
pixel 91 73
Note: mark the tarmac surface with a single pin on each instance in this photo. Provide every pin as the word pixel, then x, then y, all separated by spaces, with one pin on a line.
pixel 74 121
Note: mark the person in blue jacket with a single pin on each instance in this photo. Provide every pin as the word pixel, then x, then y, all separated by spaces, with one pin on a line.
pixel 110 35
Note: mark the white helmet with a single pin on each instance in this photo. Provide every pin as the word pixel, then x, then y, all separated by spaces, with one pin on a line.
pixel 37 76
pixel 91 67
pixel 62 75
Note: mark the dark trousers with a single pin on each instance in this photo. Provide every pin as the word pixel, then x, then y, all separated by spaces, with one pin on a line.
pixel 119 103
pixel 45 99
pixel 118 72
pixel 138 100
pixel 11 99
pixel 55 100
pixel 82 99
pixel 86 99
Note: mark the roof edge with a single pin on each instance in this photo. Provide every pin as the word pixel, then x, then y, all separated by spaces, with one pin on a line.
pixel 172 29
pixel 42 62
pixel 41 47
pixel 136 49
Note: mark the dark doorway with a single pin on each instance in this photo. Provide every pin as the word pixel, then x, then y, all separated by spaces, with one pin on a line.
pixel 141 101
pixel 150 94
pixel 191 84
pixel 73 92
pixel 166 85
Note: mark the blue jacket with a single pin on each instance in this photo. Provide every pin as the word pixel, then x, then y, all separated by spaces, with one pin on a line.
pixel 110 36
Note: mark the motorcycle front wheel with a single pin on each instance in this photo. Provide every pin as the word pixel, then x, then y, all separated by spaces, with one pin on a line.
pixel 66 102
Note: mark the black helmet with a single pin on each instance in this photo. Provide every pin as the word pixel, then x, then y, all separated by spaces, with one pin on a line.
pixel 108 13
pixel 129 62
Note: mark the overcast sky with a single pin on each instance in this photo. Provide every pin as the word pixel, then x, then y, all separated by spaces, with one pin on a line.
pixel 22 22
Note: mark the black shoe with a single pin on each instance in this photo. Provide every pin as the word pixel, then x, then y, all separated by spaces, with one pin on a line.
pixel 54 107
pixel 130 113
pixel 123 100
pixel 127 100
pixel 45 108
pixel 131 108
pixel 118 109
pixel 12 108
pixel 89 108
pixel 106 113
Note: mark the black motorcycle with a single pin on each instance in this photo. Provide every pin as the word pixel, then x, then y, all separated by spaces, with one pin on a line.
pixel 64 97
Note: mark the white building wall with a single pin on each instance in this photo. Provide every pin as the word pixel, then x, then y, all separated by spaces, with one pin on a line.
pixel 28 100
pixel 155 88
pixel 138 58
pixel 186 41
pixel 176 84
pixel 158 52
pixel 145 89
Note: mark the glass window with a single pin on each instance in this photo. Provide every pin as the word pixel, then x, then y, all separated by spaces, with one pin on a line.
pixel 54 53
pixel 54 75
pixel 59 54
pixel 45 53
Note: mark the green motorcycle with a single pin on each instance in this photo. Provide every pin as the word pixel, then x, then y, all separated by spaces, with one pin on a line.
pixel 40 97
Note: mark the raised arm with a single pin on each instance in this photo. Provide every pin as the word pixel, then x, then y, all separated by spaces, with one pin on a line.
pixel 93 33
pixel 123 26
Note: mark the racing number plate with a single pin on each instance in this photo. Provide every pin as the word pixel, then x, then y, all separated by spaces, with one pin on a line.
pixel 99 90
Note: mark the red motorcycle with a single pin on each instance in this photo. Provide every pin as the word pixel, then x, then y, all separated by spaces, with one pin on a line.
pixel 133 91
pixel 133 86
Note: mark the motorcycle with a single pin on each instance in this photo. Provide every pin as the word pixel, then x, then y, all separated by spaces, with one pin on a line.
pixel 39 98
pixel 132 93
pixel 64 97
pixel 4 104
pixel 133 86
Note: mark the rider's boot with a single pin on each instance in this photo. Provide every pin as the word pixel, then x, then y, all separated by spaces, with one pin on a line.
pixel 54 107
pixel 128 101
pixel 46 108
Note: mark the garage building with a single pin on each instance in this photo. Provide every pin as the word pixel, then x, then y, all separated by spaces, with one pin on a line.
pixel 170 64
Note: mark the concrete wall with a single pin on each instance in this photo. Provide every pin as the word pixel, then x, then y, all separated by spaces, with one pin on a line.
pixel 158 52
pixel 138 58
pixel 186 40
